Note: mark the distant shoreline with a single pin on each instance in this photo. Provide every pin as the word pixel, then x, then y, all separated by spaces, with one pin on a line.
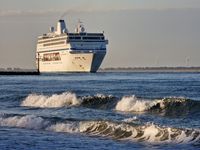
pixel 151 69
pixel 19 73
pixel 112 69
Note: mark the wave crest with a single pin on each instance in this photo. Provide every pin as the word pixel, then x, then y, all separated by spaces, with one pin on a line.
pixel 28 121
pixel 132 103
pixel 148 132
pixel 99 101
pixel 64 127
pixel 168 106
pixel 56 100
pixel 172 106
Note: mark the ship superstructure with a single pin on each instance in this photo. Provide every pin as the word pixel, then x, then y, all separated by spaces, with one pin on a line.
pixel 62 51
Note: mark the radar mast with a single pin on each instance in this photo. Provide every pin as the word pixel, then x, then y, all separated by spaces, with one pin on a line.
pixel 80 27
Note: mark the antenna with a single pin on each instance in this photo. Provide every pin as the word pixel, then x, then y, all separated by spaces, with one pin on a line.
pixel 80 28
pixel 187 61
pixel 79 21
pixel 63 15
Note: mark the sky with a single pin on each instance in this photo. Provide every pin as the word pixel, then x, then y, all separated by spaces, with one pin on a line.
pixel 141 33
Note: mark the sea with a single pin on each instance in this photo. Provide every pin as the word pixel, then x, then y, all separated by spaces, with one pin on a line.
pixel 100 111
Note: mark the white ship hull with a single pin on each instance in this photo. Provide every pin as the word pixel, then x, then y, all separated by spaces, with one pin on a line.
pixel 73 62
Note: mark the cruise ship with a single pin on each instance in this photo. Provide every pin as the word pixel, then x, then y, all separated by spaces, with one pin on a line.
pixel 64 51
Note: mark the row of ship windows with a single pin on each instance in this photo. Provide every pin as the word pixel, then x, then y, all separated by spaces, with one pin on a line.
pixel 57 43
pixel 88 34
pixel 73 38
pixel 73 34
pixel 51 57
pixel 84 33
pixel 85 38
pixel 52 40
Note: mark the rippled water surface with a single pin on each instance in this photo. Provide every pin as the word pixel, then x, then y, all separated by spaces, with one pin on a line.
pixel 100 111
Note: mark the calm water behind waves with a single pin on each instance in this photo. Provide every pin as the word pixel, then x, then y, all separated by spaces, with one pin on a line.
pixel 100 111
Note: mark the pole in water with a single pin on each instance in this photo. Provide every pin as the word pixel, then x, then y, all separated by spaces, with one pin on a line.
pixel 38 59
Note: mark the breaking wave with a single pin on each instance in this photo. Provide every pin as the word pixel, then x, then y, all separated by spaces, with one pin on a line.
pixel 27 121
pixel 69 127
pixel 56 100
pixel 68 99
pixel 132 103
pixel 166 106
pixel 148 132
pixel 173 105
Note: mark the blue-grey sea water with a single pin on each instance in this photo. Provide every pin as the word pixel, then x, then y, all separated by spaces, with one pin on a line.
pixel 119 110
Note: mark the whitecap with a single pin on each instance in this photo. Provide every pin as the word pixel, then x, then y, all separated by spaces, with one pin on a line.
pixel 55 100
pixel 28 121
pixel 132 103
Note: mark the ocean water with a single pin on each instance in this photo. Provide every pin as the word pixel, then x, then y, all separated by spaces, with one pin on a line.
pixel 100 111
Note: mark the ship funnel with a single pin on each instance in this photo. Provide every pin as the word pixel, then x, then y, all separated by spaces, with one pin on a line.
pixel 61 28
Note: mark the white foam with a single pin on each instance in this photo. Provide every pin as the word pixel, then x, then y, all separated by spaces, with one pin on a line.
pixel 129 120
pixel 182 137
pixel 56 100
pixel 28 121
pixel 99 95
pixel 132 103
pixel 64 127
pixel 151 133
pixel 99 128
